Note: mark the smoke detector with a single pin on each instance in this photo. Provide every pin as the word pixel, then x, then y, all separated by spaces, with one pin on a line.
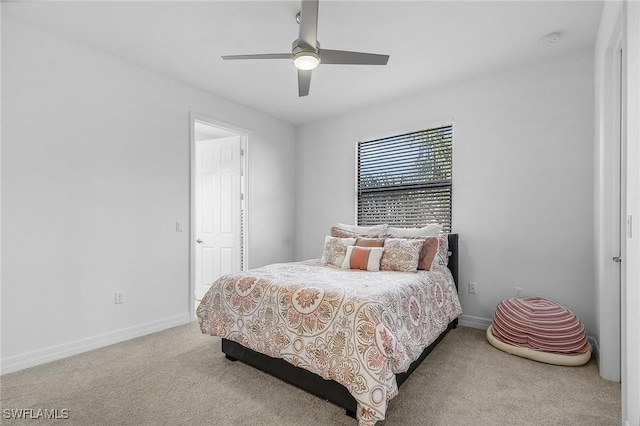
pixel 550 39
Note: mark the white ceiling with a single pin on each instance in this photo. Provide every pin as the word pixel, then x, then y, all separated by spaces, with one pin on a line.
pixel 430 44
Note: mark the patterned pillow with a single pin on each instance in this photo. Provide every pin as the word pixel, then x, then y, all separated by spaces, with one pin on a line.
pixel 442 256
pixel 334 231
pixel 365 258
pixel 335 249
pixel 429 249
pixel 370 242
pixel 341 230
pixel 428 253
pixel 401 254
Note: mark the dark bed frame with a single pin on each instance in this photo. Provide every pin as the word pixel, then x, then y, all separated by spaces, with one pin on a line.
pixel 311 382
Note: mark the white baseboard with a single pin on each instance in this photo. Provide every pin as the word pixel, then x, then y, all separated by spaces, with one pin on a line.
pixel 595 348
pixel 474 322
pixel 52 353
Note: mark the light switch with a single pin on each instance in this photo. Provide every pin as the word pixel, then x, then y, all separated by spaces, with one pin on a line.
pixel 179 226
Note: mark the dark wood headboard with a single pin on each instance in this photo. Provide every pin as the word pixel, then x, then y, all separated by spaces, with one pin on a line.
pixel 453 257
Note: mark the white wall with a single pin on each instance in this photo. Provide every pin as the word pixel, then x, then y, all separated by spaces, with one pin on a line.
pixel 522 179
pixel 95 173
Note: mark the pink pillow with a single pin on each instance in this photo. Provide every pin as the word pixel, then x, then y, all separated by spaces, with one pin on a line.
pixel 428 253
pixel 370 242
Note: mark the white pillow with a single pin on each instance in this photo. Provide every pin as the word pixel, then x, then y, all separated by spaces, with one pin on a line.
pixel 373 231
pixel 365 258
pixel 335 249
pixel 426 231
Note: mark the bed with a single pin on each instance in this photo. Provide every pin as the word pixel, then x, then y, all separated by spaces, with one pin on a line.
pixel 351 337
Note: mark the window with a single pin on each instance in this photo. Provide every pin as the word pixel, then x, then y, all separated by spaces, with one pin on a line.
pixel 405 180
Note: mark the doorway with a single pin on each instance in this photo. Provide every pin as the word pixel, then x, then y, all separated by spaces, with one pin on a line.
pixel 218 203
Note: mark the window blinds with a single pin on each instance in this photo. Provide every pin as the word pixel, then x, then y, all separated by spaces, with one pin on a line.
pixel 405 180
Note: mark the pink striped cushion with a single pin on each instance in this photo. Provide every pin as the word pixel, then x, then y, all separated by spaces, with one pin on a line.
pixel 539 324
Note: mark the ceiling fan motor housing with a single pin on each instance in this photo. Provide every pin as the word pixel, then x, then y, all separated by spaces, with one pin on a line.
pixel 297 47
pixel 305 57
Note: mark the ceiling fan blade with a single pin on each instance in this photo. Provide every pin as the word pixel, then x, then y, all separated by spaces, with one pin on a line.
pixel 260 56
pixel 351 58
pixel 308 33
pixel 304 82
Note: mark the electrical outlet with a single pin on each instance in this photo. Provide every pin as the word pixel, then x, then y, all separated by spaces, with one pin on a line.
pixel 517 291
pixel 119 297
pixel 472 288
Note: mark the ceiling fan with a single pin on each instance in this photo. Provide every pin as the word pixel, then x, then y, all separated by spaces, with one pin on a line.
pixel 307 54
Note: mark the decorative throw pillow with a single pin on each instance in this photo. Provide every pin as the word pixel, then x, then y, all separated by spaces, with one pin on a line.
pixel 428 253
pixel 370 242
pixel 429 249
pixel 341 230
pixel 442 255
pixel 341 233
pixel 432 230
pixel 365 258
pixel 401 254
pixel 335 249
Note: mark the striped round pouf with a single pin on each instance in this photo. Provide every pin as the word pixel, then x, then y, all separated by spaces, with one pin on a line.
pixel 539 329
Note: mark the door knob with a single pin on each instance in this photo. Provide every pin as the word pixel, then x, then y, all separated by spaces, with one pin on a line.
pixel 617 259
pixel 199 241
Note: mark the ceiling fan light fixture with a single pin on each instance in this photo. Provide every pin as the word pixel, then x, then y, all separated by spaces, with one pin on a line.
pixel 306 61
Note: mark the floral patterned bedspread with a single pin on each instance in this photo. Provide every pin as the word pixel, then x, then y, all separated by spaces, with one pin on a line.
pixel 356 327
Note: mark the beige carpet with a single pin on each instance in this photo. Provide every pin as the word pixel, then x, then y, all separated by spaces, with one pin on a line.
pixel 180 377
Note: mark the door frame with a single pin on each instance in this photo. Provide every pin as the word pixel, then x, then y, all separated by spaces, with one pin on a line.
pixel 245 183
pixel 609 178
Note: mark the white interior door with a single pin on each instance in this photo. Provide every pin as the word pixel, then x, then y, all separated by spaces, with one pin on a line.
pixel 218 210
